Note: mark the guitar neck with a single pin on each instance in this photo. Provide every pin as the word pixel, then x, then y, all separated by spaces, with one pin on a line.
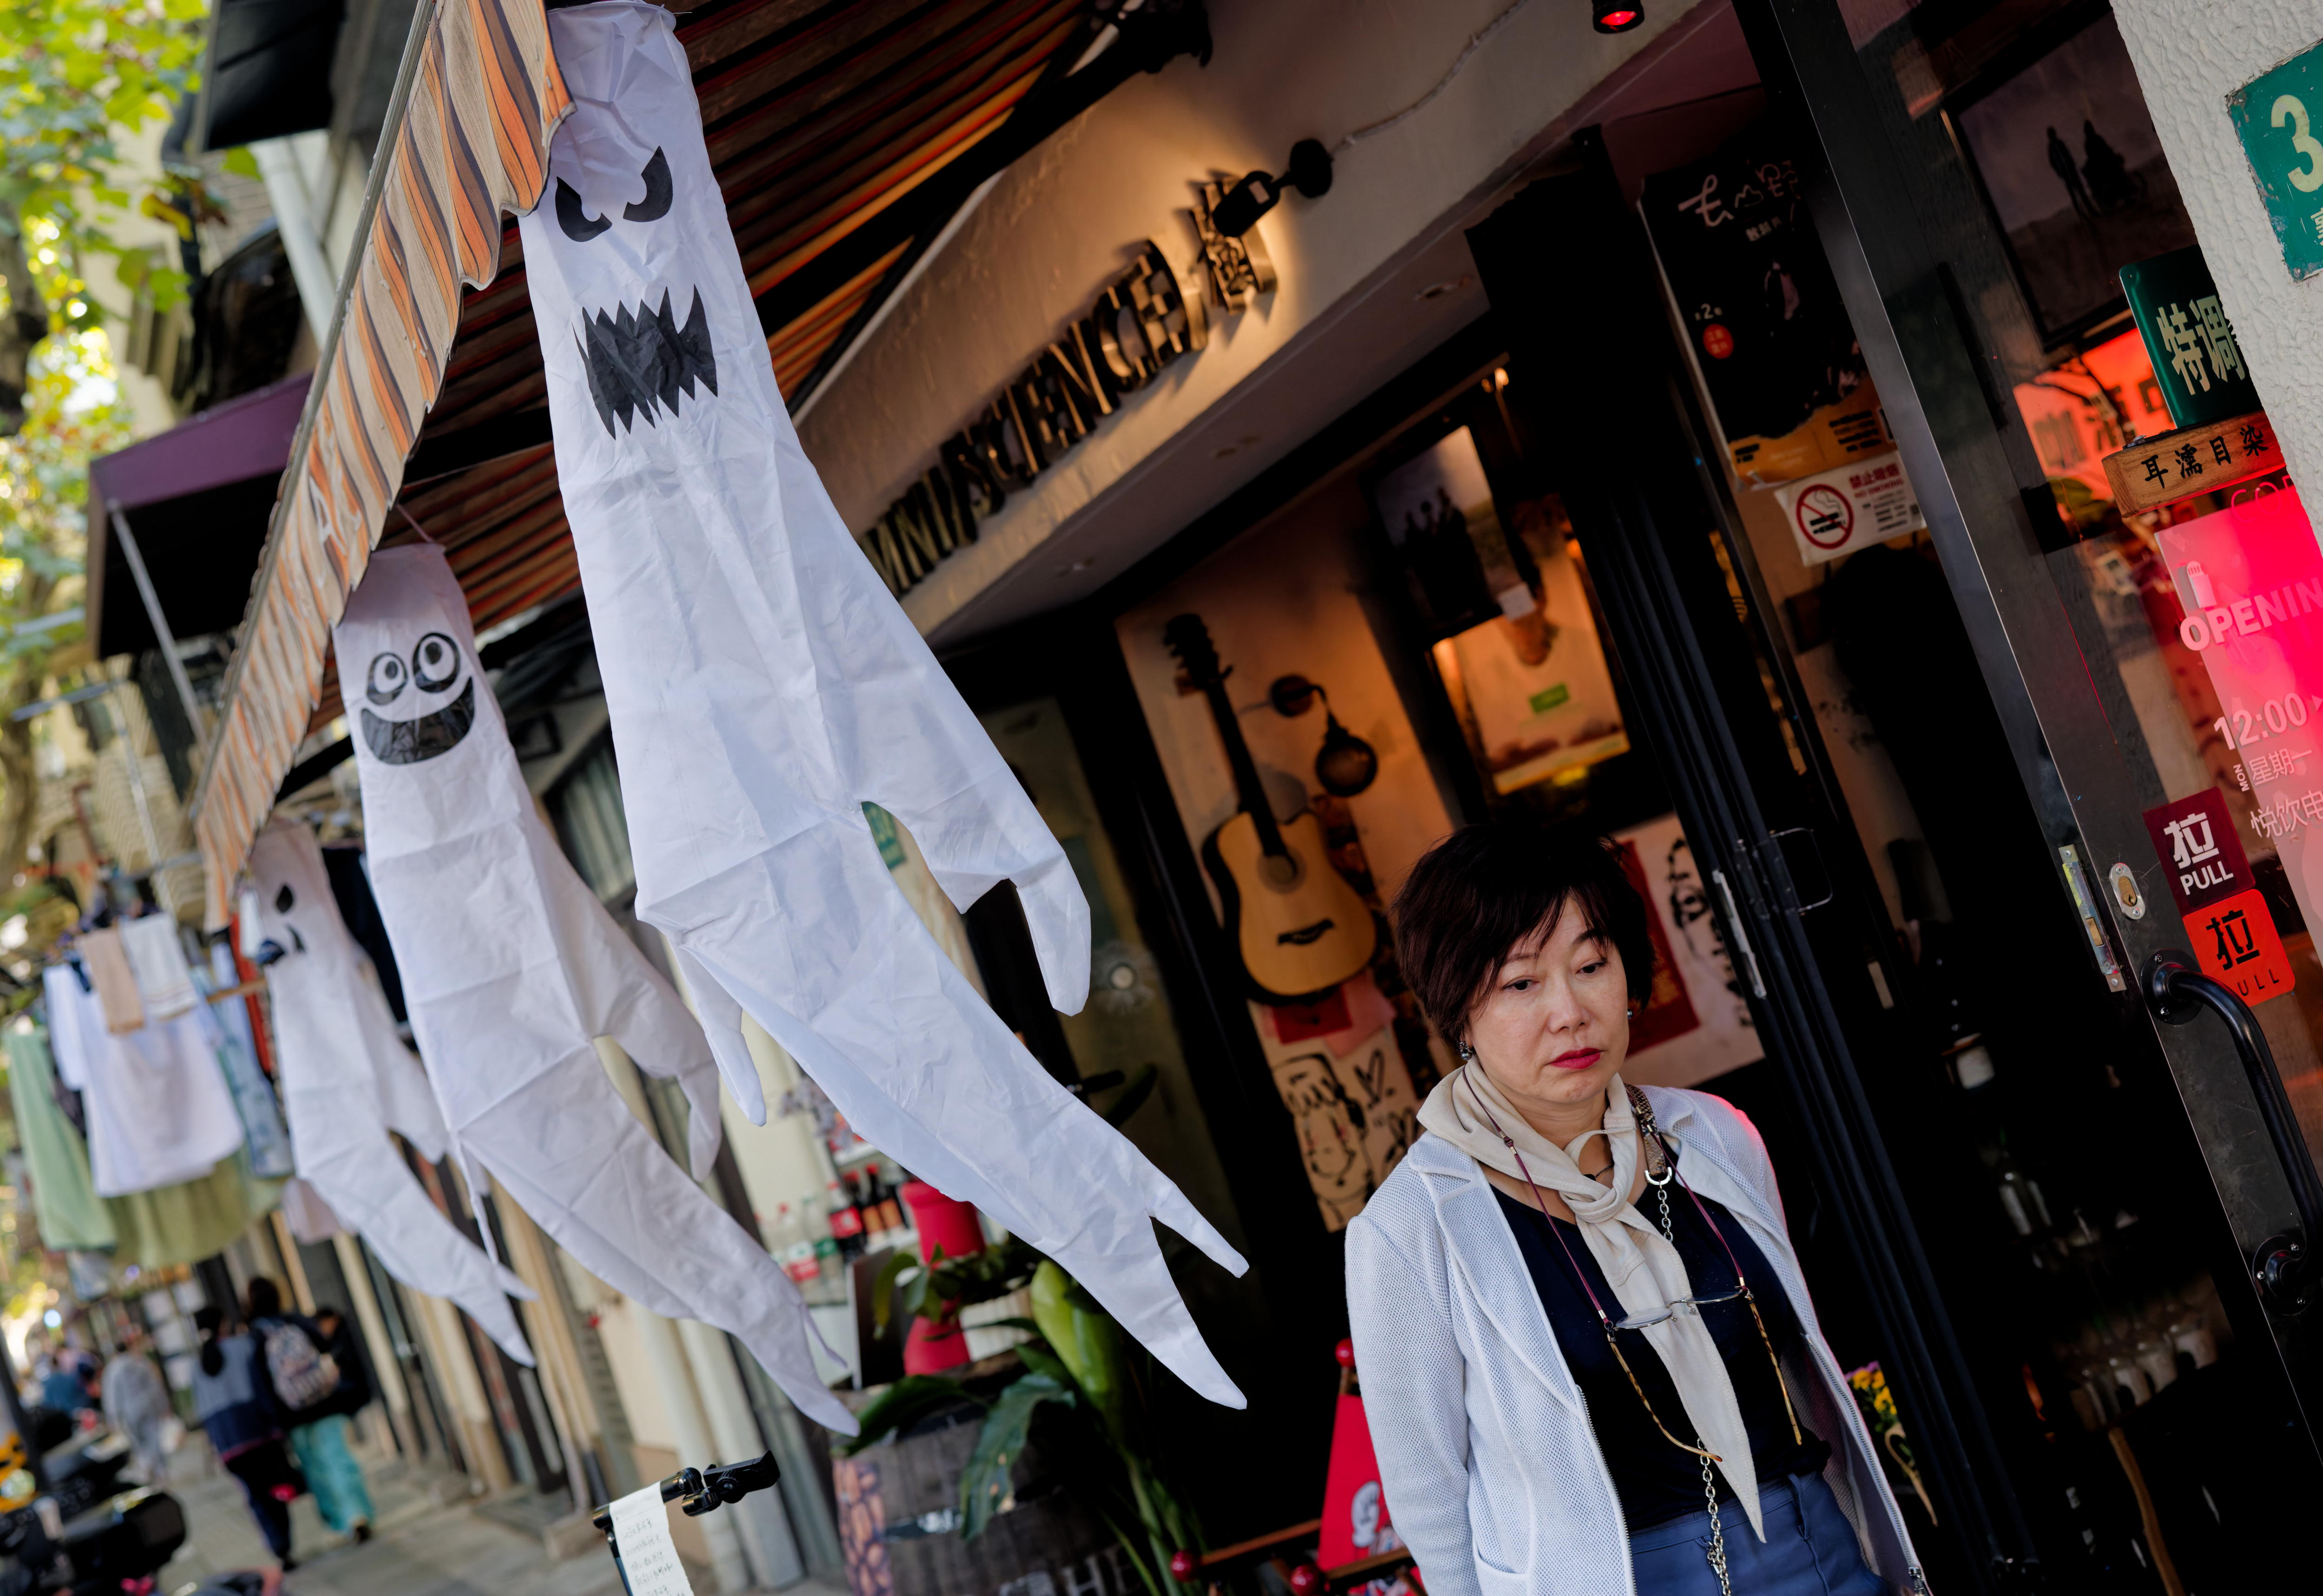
pixel 1248 787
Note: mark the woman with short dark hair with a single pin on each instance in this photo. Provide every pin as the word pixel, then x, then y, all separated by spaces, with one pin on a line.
pixel 1589 1360
pixel 235 1403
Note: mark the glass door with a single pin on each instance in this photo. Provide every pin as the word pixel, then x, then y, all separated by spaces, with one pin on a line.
pixel 2027 1204
pixel 2002 218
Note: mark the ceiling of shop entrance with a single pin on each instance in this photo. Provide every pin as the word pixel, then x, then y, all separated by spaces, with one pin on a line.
pixel 1080 530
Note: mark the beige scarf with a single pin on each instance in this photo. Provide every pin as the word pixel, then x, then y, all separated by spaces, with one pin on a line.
pixel 1646 1272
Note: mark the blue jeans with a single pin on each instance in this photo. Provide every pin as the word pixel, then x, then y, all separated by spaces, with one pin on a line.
pixel 1810 1549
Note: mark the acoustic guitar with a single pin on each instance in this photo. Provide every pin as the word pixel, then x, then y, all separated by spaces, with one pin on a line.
pixel 1300 929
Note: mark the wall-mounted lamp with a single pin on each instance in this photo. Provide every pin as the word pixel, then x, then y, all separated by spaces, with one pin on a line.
pixel 1612 16
pixel 1241 207
pixel 1346 765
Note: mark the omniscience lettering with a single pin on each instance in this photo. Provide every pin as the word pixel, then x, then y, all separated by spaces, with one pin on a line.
pixel 1135 328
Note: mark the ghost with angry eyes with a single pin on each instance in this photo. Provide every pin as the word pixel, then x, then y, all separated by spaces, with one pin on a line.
pixel 511 967
pixel 764 685
pixel 347 1079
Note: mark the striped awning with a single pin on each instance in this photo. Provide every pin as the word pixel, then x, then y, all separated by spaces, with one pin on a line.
pixel 477 101
pixel 844 133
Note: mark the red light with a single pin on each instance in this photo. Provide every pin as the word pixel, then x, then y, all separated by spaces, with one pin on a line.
pixel 1617 19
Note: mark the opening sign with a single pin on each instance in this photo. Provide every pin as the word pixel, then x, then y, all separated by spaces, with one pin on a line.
pixel 1836 512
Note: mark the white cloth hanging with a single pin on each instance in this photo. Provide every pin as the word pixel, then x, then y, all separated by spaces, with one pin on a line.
pixel 156 1103
pixel 763 684
pixel 510 967
pixel 348 1080
pixel 158 959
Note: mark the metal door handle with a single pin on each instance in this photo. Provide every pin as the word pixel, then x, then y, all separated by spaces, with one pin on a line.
pixel 2287 1269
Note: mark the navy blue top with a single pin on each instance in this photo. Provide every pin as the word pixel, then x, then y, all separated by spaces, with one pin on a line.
pixel 1655 1480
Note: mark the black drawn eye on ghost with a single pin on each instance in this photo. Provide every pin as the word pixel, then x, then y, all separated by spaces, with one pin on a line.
pixel 434 668
pixel 268 950
pixel 639 357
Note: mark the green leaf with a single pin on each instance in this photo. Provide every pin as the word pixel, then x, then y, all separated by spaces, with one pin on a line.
pixel 883 1289
pixel 984 1482
pixel 1040 1360
pixel 902 1405
pixel 240 162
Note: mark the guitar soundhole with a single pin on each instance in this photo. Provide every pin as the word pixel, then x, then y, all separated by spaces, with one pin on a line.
pixel 1280 870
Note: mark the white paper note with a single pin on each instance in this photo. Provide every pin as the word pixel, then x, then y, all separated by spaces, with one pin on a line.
pixel 648 1556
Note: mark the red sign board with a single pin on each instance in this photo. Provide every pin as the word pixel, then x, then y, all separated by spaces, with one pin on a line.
pixel 2235 941
pixel 2199 850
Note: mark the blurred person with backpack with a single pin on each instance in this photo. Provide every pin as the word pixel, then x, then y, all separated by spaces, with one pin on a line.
pixel 234 1402
pixel 307 1381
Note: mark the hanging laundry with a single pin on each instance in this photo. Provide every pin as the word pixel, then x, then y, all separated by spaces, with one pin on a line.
pixel 265 1136
pixel 348 1080
pixel 157 962
pixel 56 1158
pixel 106 964
pixel 158 1106
pixel 511 967
pixel 310 1219
pixel 763 685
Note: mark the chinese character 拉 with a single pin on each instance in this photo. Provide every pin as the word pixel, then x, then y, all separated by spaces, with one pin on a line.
pixel 2237 943
pixel 2191 841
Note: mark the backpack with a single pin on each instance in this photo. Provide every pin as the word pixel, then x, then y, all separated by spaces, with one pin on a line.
pixel 302 1376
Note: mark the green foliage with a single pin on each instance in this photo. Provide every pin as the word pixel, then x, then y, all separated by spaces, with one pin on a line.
pixel 984 1482
pixel 77 77
pixel 901 1406
pixel 939 1290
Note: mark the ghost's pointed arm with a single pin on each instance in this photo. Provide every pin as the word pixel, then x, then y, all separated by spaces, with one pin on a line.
pixel 722 1022
pixel 908 740
pixel 623 996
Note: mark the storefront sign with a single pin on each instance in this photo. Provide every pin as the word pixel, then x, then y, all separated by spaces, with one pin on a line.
pixel 2235 941
pixel 1142 322
pixel 1836 512
pixel 2188 337
pixel 2195 460
pixel 2275 114
pixel 2195 837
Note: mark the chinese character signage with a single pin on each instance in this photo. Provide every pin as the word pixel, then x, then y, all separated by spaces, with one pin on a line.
pixel 2235 941
pixel 2177 466
pixel 1836 512
pixel 2197 842
pixel 2274 116
pixel 2195 359
pixel 1763 313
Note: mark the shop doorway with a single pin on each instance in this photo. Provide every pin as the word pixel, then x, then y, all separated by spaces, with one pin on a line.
pixel 2030 1207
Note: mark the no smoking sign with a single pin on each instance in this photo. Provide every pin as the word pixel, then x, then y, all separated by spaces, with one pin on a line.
pixel 1836 512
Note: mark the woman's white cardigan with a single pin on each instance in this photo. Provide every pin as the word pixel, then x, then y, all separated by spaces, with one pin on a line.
pixel 1487 1460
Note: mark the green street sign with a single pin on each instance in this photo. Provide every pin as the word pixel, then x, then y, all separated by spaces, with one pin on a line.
pixel 2188 338
pixel 2279 115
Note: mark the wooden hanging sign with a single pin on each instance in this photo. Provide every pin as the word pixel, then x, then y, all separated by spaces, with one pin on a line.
pixel 2192 460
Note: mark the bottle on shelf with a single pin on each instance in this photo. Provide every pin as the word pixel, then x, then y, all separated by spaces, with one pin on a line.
pixel 845 1219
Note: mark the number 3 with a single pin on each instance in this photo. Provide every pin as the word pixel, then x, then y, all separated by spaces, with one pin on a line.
pixel 2288 109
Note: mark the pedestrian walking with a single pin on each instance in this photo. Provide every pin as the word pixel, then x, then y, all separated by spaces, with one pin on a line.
pixel 308 1382
pixel 235 1403
pixel 136 1402
pixel 1588 1354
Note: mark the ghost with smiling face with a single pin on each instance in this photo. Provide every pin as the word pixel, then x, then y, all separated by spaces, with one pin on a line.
pixel 763 685
pixel 347 1079
pixel 511 967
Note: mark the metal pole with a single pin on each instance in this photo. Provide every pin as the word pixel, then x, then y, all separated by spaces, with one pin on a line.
pixel 194 722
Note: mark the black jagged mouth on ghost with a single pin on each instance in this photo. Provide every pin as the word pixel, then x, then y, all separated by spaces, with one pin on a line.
pixel 407 742
pixel 638 359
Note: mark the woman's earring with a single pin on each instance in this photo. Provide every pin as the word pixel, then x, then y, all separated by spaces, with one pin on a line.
pixel 1467 1054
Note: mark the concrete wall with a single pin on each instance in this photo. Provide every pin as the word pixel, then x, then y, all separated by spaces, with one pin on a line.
pixel 2191 54
pixel 1069 218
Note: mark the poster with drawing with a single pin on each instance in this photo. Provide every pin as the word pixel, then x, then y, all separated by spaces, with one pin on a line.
pixel 1538 695
pixel 1697 1023
pixel 1351 1100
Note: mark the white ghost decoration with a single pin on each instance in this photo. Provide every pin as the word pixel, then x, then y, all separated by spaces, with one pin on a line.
pixel 347 1079
pixel 511 966
pixel 763 684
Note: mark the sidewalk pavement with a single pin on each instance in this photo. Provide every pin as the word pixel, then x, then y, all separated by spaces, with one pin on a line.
pixel 418 1547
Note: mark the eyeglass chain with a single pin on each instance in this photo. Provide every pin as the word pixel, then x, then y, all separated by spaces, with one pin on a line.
pixel 1717 1549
